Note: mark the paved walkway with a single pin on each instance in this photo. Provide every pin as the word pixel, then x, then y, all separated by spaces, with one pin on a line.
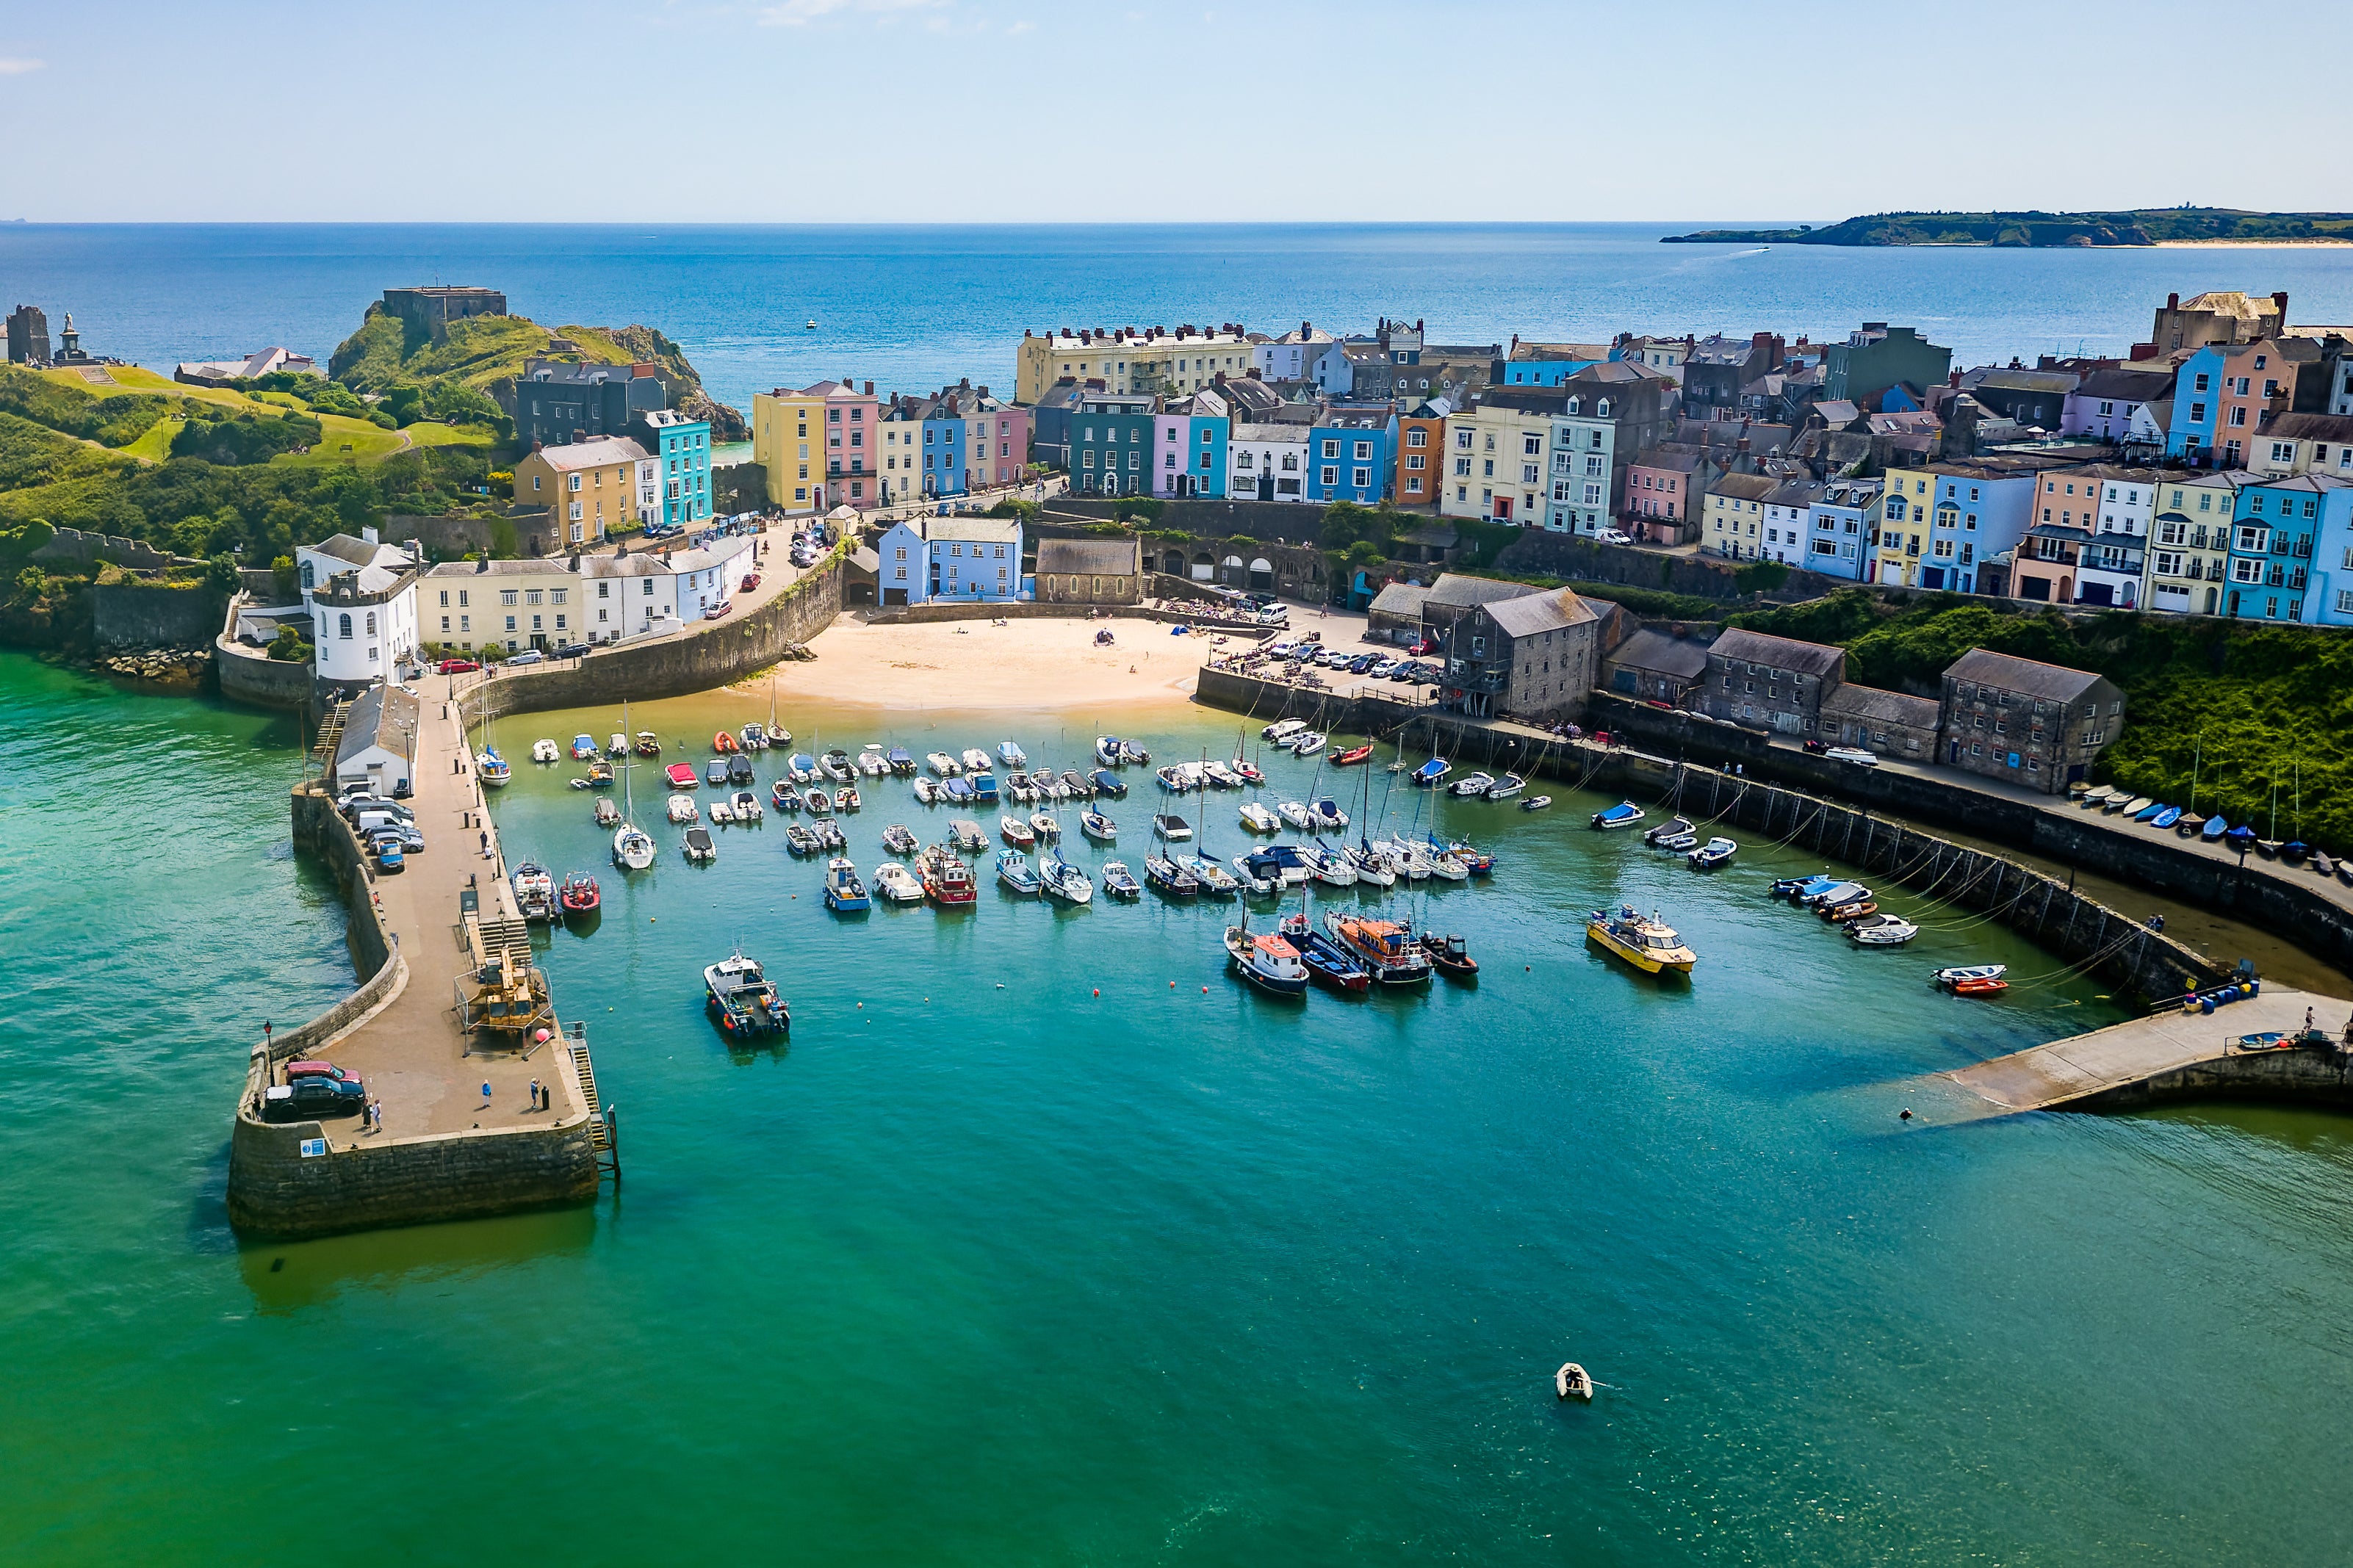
pixel 2072 1069
pixel 411 1054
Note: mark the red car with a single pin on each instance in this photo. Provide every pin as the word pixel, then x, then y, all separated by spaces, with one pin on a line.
pixel 1420 645
pixel 751 581
pixel 319 1069
pixel 456 665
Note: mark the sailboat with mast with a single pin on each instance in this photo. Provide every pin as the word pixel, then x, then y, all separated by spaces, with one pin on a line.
pixel 633 847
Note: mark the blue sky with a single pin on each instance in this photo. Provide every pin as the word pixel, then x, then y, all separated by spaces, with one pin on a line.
pixel 1269 110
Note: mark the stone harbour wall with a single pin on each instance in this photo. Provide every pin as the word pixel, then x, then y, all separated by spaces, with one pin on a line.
pixel 277 1190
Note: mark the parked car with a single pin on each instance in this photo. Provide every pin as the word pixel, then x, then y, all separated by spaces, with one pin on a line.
pixel 455 666
pixel 1420 645
pixel 410 839
pixel 751 581
pixel 1280 649
pixel 1854 755
pixel 319 1069
pixel 388 856
pixel 573 651
pixel 1363 662
pixel 528 655
pixel 1615 536
pixel 722 608
pixel 1383 669
pixel 315 1096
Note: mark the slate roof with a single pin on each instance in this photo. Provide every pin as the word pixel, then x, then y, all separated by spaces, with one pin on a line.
pixel 1531 614
pixel 1982 667
pixel 1090 557
pixel 591 454
pixel 1884 707
pixel 2126 384
pixel 1399 599
pixel 377 719
pixel 1664 654
pixel 2337 427
pixel 1780 653
pixel 1744 487
pixel 1461 591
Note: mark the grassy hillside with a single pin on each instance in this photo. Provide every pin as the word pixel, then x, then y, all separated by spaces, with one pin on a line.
pixel 2151 226
pixel 2246 705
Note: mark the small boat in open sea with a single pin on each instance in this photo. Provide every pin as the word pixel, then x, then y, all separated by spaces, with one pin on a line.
pixel 1649 945
pixel 1572 1382
pixel 737 993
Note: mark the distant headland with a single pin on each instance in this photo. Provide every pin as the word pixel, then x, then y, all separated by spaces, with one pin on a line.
pixel 2152 225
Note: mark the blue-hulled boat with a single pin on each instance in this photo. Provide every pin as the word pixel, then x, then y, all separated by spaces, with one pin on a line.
pixel 2149 813
pixel 2166 816
pixel 2215 827
pixel 1108 783
pixel 1791 887
pixel 1328 964
pixel 844 893
pixel 984 788
pixel 902 761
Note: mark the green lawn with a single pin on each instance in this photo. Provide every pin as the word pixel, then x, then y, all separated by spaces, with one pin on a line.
pixel 155 446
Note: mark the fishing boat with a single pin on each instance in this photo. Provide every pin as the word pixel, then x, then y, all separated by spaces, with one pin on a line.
pixel 956 789
pixel 1353 755
pixel 722 742
pixel 1119 882
pixel 1065 881
pixel 698 847
pixel 1107 750
pixel 617 746
pixel 1387 949
pixel 649 743
pixel 579 897
pixel 1307 743
pixel 1625 814
pixel 1134 751
pixel 1535 803
pixel 902 761
pixel 1170 878
pixel 836 765
pixel 680 809
pixel 1266 960
pixel 1281 730
pixel 1450 956
pixel 898 839
pixel 745 804
pixel 965 834
pixel 975 759
pixel 1011 755
pixel 1328 964
pixel 1713 853
pixel 1017 833
pixel 534 893
pixel 947 880
pixel 739 769
pixel 543 751
pixel 1667 829
pixel 607 814
pixel 1471 784
pixel 1174 779
pixel 1044 827
pixel 1013 871
pixel 1647 944
pixel 682 776
pixel 1170 828
pixel 1974 979
pixel 1258 819
pixel 800 840
pixel 898 884
pixel 754 736
pixel 737 995
pixel 1428 775
pixel 1572 1382
pixel 584 748
pixel 1098 826
pixel 1505 787
pixel 801 768
pixel 1108 783
pixel 492 768
pixel 984 788
pixel 1882 930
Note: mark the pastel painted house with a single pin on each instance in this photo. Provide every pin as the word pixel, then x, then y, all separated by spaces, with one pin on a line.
pixel 1188 455
pixel 679 448
pixel 970 560
pixel 2274 532
pixel 1352 450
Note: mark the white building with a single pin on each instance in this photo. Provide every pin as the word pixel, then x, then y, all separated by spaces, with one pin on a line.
pixel 975 560
pixel 379 740
pixel 1267 462
pixel 2117 504
pixel 1307 354
pixel 362 596
pixel 1788 521
pixel 646 594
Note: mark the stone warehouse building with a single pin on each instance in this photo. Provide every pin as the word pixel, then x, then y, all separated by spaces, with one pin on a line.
pixel 1535 656
pixel 2037 724
pixel 1769 682
pixel 1090 572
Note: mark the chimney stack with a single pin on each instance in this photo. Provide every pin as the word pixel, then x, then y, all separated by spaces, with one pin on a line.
pixel 2279 301
pixel 2173 301
pixel 869 389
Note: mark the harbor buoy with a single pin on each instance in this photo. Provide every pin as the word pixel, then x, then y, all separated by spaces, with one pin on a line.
pixel 1098 990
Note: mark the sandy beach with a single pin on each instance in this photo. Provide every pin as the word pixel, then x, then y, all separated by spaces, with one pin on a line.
pixel 1023 665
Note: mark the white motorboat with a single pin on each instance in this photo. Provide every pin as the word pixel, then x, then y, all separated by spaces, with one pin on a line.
pixel 1470 785
pixel 926 792
pixel 1880 930
pixel 976 760
pixel 1713 853
pixel 1171 829
pixel 1281 730
pixel 1535 803
pixel 1507 786
pixel 1325 814
pixel 1297 814
pixel 720 811
pixel 1044 825
pixel 898 884
pixel 1011 755
pixel 698 847
pixel 753 737
pixel 1307 744
pixel 618 746
pixel 1258 819
pixel 940 763
pixel 872 763
pixel 544 750
pixel 680 808
pixel 745 804
pixel 1221 775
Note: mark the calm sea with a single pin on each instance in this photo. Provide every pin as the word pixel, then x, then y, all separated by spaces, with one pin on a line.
pixel 1044 1243
pixel 910 307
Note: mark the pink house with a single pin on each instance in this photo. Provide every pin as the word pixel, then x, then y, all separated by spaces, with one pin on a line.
pixel 1663 491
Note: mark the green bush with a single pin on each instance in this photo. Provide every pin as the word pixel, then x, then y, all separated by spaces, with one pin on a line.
pixel 287 647
pixel 246 438
pixel 220 574
pixel 287 586
pixel 1127 508
pixel 1761 576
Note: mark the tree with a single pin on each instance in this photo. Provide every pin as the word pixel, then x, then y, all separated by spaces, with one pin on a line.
pixel 221 576
pixel 284 580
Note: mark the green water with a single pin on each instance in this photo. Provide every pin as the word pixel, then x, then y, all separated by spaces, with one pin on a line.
pixel 1028 1276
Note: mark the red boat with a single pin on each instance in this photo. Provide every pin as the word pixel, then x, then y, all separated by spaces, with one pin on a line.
pixel 724 742
pixel 1353 755
pixel 579 895
pixel 682 776
pixel 946 879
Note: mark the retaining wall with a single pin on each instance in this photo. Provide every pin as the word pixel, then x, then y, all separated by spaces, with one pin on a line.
pixel 248 675
pixel 2304 1076
pixel 142 614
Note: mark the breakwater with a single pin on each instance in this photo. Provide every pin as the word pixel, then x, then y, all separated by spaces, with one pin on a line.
pixel 2072 925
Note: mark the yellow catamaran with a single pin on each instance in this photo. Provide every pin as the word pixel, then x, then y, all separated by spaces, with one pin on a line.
pixel 1647 944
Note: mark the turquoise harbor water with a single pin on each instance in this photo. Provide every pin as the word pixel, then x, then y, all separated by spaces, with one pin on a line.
pixel 1027 1276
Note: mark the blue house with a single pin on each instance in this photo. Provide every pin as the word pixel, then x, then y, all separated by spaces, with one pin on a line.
pixel 969 560
pixel 2197 405
pixel 2328 595
pixel 681 449
pixel 1550 364
pixel 1351 453
pixel 2274 530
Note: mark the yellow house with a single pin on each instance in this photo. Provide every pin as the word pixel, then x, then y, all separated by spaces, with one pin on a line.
pixel 588 487
pixel 1152 360
pixel 781 421
pixel 1904 536
pixel 2189 542
pixel 1730 515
